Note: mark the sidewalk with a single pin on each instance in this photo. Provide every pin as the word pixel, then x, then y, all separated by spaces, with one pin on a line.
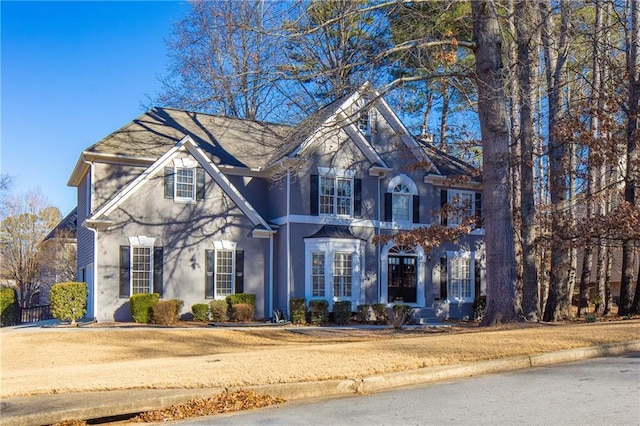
pixel 52 408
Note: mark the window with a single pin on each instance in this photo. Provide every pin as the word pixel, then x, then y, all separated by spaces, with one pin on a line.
pixel 335 192
pixel 460 206
pixel 459 277
pixel 184 182
pixel 401 204
pixel 364 123
pixel 342 274
pixel 224 267
pixel 317 274
pixel 224 273
pixel 141 269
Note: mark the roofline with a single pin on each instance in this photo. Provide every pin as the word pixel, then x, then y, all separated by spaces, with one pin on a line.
pixel 441 180
pixel 86 157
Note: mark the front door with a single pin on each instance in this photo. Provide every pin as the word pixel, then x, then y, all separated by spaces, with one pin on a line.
pixel 402 279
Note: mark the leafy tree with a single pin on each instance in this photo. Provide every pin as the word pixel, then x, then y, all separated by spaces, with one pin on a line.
pixel 68 301
pixel 26 220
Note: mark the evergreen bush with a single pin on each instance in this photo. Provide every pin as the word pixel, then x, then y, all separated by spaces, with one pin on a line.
pixel 380 313
pixel 298 309
pixel 68 301
pixel 140 306
pixel 8 306
pixel 165 312
pixel 200 311
pixel 319 312
pixel 342 312
pixel 364 313
pixel 479 305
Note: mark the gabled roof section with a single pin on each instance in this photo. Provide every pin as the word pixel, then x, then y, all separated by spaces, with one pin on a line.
pixel 188 144
pixel 337 115
pixel 66 228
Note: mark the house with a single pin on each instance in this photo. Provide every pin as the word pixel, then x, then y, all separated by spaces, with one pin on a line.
pixel 59 253
pixel 197 207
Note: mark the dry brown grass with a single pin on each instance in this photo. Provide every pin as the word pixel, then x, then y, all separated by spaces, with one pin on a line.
pixel 70 360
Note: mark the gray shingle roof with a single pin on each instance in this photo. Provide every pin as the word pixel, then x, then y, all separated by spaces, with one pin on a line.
pixel 447 164
pixel 67 226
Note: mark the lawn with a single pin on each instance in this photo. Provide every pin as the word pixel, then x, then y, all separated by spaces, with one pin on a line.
pixel 107 357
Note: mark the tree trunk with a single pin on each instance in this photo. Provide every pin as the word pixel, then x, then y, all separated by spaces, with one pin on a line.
pixel 526 26
pixel 558 306
pixel 501 279
pixel 444 116
pixel 585 279
pixel 631 173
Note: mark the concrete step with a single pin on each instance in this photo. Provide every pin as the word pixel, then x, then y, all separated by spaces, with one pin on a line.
pixel 425 316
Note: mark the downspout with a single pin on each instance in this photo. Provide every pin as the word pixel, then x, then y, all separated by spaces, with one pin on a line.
pixel 377 229
pixel 94 282
pixel 288 241
pixel 270 299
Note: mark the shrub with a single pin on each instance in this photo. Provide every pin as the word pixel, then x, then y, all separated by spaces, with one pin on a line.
pixel 164 312
pixel 219 310
pixel 479 305
pixel 319 311
pixel 140 306
pixel 68 301
pixel 242 312
pixel 247 298
pixel 590 318
pixel 200 311
pixel 298 309
pixel 364 313
pixel 399 315
pixel 380 313
pixel 8 306
pixel 342 312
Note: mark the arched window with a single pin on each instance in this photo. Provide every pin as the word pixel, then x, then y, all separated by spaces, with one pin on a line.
pixel 402 203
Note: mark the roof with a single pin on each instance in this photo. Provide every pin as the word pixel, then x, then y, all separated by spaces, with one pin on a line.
pixel 447 164
pixel 227 141
pixel 67 227
pixel 334 231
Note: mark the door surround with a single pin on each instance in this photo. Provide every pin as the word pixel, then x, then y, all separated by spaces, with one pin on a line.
pixel 391 248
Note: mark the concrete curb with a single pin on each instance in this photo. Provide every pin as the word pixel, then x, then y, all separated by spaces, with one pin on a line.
pixel 47 409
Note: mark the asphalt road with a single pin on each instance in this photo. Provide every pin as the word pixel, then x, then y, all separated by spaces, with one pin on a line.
pixel 603 391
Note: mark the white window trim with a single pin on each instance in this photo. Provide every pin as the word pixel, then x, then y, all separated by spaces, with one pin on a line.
pixel 144 242
pixel 330 246
pixel 186 164
pixel 333 172
pixel 224 245
pixel 453 219
pixel 472 268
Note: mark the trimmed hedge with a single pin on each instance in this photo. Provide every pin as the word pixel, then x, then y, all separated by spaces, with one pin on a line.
pixel 364 313
pixel 319 312
pixel 247 298
pixel 140 306
pixel 298 309
pixel 200 311
pixel 342 312
pixel 219 310
pixel 165 312
pixel 242 312
pixel 68 301
pixel 8 306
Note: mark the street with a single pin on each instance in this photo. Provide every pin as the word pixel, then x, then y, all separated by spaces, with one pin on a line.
pixel 603 391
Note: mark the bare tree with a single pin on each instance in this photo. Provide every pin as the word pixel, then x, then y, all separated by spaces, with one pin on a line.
pixel 26 221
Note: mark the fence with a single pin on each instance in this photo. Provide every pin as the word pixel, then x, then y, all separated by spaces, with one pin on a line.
pixel 35 314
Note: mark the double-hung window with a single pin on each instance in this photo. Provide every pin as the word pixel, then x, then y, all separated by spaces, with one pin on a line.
pixel 461 206
pixel 401 201
pixel 224 273
pixel 336 193
pixel 141 267
pixel 184 181
pixel 224 266
pixel 401 204
pixel 141 275
pixel 317 274
pixel 459 282
pixel 185 184
pixel 342 274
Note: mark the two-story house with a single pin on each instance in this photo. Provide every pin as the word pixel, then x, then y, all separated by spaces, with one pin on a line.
pixel 197 207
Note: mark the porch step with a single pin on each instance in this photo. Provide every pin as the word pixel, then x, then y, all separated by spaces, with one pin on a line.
pixel 425 316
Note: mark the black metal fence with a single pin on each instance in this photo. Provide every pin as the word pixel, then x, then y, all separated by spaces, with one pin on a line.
pixel 35 314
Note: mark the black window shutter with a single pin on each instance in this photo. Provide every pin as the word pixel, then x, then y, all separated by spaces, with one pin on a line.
pixel 477 279
pixel 125 261
pixel 357 197
pixel 158 264
pixel 313 191
pixel 443 278
pixel 416 209
pixel 388 206
pixel 443 203
pixel 168 182
pixel 208 278
pixel 200 183
pixel 478 210
pixel 239 271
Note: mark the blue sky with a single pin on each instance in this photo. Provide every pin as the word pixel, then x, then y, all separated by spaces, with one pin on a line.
pixel 71 73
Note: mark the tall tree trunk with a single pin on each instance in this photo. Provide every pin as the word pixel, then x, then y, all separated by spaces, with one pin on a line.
pixel 626 305
pixel 501 280
pixel 527 25
pixel 444 115
pixel 558 306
